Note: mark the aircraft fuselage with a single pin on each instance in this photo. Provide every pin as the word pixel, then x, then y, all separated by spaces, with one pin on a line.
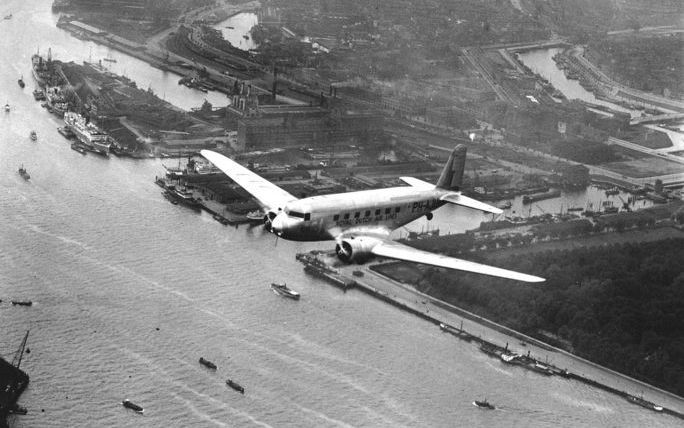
pixel 322 218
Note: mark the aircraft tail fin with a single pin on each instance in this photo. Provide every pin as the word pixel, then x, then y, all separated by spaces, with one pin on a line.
pixel 452 174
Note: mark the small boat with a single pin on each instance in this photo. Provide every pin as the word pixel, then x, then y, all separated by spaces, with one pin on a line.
pixel 206 363
pixel 230 28
pixel 38 95
pixel 644 403
pixel 282 289
pixel 78 148
pixel 21 82
pixel 127 404
pixel 109 59
pixel 256 215
pixel 484 404
pixel 509 358
pixel 236 386
pixel 8 16
pixel 18 410
pixel 24 174
pixel 7 107
pixel 22 302
pixel 33 136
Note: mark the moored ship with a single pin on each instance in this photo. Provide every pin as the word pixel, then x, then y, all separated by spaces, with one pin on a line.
pixel 87 133
pixel 56 100
pixel 13 381
pixel 177 195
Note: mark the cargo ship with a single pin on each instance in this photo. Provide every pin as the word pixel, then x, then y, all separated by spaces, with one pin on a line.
pixel 56 101
pixel 528 199
pixel 13 381
pixel 92 138
pixel 40 70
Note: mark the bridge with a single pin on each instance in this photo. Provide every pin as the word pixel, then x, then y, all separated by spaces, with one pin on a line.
pixel 655 119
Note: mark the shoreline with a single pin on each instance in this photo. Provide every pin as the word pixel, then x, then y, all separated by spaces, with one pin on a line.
pixel 436 311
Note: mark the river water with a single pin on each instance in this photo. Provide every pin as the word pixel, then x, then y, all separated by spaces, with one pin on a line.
pixel 236 30
pixel 129 291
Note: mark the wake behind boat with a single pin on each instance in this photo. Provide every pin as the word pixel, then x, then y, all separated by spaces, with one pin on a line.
pixel 283 290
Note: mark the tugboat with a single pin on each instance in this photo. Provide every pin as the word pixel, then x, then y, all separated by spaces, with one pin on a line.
pixel 33 136
pixel 235 386
pixel 127 404
pixel 38 95
pixel 208 364
pixel 281 288
pixel 21 82
pixel 24 174
pixel 484 404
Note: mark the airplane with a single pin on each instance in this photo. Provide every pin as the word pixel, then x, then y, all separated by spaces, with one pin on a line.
pixel 360 222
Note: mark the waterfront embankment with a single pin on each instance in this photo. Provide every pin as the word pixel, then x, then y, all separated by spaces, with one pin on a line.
pixel 487 333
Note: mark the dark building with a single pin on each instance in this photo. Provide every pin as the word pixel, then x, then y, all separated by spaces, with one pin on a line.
pixel 264 126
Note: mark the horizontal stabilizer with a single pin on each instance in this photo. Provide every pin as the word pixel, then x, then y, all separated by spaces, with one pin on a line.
pixel 418 184
pixel 458 199
pixel 395 250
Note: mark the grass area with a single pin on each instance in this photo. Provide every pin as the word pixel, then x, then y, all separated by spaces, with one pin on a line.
pixel 645 167
pixel 648 138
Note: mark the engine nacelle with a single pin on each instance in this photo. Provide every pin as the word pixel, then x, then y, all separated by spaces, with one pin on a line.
pixel 355 249
pixel 268 219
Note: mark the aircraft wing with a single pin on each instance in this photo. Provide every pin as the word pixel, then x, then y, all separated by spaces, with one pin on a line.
pixel 458 199
pixel 399 251
pixel 267 194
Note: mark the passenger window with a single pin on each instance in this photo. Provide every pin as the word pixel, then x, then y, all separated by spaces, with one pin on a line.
pixel 388 210
pixel 346 216
pixel 336 217
pixel 307 216
pixel 397 209
pixel 367 214
pixel 377 212
pixel 357 214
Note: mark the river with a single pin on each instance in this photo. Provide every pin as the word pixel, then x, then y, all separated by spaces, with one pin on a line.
pixel 129 291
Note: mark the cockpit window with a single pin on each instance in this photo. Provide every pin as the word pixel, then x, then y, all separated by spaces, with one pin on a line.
pixel 295 214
